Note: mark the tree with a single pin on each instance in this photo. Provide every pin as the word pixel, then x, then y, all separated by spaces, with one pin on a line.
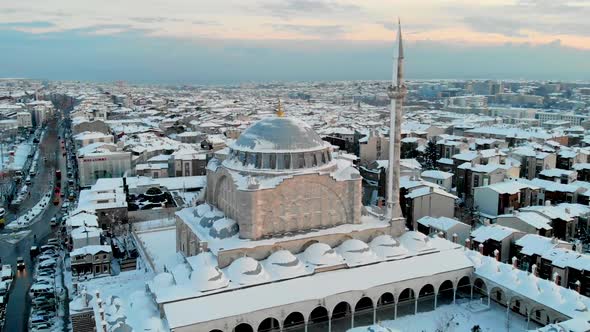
pixel 428 160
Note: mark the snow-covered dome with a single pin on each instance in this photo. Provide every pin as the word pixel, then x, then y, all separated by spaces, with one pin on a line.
pixel 321 254
pixel 415 241
pixel 278 144
pixel 202 209
pixel 208 278
pixel 284 264
pixel 356 252
pixel 247 270
pixel 163 280
pixel 279 133
pixel 387 247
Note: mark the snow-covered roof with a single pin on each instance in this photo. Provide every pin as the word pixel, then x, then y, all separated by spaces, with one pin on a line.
pixel 492 232
pixel 556 172
pixel 423 191
pixel 534 244
pixel 546 292
pixel 439 223
pixel 314 287
pixel 508 187
pixel 435 174
pixel 90 250
pixel 533 219
pixel 562 257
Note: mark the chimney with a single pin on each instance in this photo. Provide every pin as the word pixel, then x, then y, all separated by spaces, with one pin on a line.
pixel 497 254
pixel 547 203
pixel 455 238
pixel 514 262
pixel 535 270
pixel 468 243
pixel 480 247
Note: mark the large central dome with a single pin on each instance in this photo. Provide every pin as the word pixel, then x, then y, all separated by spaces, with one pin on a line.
pixel 279 134
pixel 278 144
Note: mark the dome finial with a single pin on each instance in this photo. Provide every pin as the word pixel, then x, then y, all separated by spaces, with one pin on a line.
pixel 280 113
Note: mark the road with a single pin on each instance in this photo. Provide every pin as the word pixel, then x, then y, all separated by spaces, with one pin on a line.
pixel 17 311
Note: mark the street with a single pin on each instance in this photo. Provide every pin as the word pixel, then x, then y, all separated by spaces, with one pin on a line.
pixel 18 306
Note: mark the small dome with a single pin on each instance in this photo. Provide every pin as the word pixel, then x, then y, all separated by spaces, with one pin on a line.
pixel 321 254
pixel 387 247
pixel 356 252
pixel 202 209
pixel 279 134
pixel 247 270
pixel 284 264
pixel 208 278
pixel 415 241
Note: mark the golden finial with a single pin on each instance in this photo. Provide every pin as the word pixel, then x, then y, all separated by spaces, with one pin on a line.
pixel 280 112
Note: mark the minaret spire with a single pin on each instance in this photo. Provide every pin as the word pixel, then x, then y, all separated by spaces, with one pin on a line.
pixel 280 112
pixel 396 92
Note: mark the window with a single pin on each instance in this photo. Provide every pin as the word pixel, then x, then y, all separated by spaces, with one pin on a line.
pixel 97 269
pixel 314 160
pixel 300 161
pixel 273 161
pixel 242 157
pixel 287 161
pixel 266 160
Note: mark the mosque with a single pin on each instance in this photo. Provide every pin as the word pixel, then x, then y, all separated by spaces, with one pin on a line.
pixel 283 243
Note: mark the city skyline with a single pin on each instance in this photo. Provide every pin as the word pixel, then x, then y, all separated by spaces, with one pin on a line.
pixel 227 42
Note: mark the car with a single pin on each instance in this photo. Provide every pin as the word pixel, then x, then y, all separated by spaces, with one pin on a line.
pixel 53 222
pixel 48 247
pixel 34 251
pixel 20 263
pixel 53 241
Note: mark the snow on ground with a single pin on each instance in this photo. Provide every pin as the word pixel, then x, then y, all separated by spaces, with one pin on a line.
pixel 160 247
pixel 455 318
pixel 13 238
pixel 30 217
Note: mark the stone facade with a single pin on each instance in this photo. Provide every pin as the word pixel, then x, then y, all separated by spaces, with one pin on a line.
pixel 297 203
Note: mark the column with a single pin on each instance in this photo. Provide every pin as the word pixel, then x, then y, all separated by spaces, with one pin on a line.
pixel 528 318
pixel 395 310
pixel 415 305
pixel 330 324
pixel 489 299
pixel 454 295
pixel 472 292
pixel 435 300
pixel 305 329
pixel 374 314
pixel 352 319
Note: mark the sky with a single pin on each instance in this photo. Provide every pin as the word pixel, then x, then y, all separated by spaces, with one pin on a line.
pixel 232 41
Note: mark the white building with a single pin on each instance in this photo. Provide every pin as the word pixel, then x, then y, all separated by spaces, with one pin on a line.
pixel 101 160
pixel 24 119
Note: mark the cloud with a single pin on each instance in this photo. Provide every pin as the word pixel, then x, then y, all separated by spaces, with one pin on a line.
pixel 293 8
pixel 489 24
pixel 331 31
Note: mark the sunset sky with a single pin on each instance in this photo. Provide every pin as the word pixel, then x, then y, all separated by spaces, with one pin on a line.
pixel 222 41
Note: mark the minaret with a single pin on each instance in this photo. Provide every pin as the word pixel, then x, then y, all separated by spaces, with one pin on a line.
pixel 396 92
pixel 280 112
